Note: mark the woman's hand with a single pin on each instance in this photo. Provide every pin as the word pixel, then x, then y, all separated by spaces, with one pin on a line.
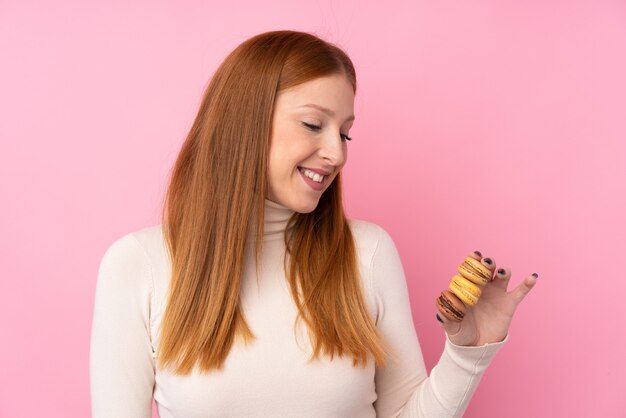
pixel 488 321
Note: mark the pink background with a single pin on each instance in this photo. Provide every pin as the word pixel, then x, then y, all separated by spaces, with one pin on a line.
pixel 489 125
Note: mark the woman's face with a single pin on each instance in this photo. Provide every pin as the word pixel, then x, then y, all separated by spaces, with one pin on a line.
pixel 306 137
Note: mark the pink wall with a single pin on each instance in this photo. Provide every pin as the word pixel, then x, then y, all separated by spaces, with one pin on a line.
pixel 488 125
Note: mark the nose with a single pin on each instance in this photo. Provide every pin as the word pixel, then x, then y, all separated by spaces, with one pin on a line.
pixel 333 150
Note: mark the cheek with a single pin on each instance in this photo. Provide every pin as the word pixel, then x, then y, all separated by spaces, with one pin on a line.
pixel 294 156
pixel 282 164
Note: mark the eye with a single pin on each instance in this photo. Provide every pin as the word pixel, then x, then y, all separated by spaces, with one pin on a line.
pixel 316 128
pixel 313 128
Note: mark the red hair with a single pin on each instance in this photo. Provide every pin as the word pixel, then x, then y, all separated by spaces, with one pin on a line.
pixel 217 170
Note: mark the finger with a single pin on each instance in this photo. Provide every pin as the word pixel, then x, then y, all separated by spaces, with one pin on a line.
pixel 502 277
pixel 490 263
pixel 450 327
pixel 520 292
pixel 476 255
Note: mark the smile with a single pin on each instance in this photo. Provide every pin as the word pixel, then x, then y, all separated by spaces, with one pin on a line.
pixel 314 180
pixel 313 176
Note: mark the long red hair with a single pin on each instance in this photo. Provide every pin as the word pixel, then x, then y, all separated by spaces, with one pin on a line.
pixel 217 170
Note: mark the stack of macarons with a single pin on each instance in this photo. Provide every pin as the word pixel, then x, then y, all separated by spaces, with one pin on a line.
pixel 465 288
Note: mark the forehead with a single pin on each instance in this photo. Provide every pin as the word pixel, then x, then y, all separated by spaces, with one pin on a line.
pixel 334 93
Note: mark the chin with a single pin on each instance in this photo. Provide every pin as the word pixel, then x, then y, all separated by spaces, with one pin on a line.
pixel 305 208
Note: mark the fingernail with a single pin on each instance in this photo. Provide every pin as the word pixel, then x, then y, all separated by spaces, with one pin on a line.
pixel 536 275
pixel 501 272
pixel 478 253
pixel 488 260
pixel 439 318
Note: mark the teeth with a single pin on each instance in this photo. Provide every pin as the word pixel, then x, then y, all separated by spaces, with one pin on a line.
pixel 313 176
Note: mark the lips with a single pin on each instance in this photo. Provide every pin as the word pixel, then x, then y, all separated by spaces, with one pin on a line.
pixel 313 184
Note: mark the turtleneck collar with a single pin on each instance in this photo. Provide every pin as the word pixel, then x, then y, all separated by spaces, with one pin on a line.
pixel 275 220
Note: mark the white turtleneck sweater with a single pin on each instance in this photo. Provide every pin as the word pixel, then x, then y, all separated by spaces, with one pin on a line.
pixel 270 377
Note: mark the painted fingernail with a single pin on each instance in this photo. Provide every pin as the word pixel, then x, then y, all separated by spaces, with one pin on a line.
pixel 501 272
pixel 488 261
pixel 478 253
pixel 536 275
pixel 439 318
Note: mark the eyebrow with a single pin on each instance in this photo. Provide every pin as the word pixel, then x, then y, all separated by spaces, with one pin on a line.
pixel 325 110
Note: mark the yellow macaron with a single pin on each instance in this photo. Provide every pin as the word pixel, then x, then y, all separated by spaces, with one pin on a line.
pixel 475 271
pixel 465 290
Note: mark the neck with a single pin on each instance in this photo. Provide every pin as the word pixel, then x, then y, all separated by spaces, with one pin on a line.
pixel 275 220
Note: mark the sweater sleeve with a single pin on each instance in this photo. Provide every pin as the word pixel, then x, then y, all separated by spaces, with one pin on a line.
pixel 121 359
pixel 403 386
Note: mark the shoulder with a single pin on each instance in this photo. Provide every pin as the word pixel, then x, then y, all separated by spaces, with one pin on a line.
pixel 128 259
pixel 133 246
pixel 375 246
pixel 369 235
pixel 151 240
pixel 125 291
pixel 376 249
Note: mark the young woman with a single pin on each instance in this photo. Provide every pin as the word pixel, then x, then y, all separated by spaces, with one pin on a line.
pixel 256 296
